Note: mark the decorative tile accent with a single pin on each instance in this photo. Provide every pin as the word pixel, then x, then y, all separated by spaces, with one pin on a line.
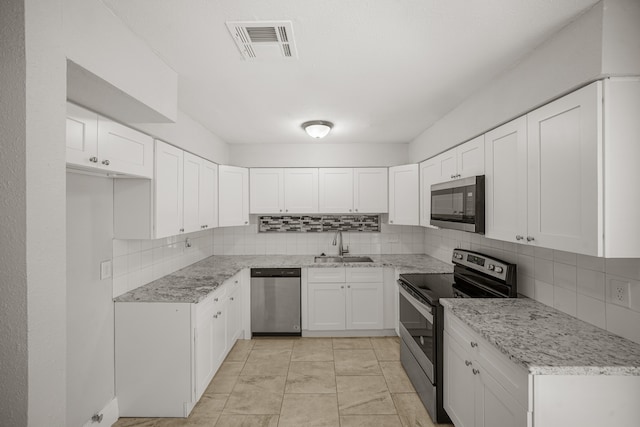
pixel 318 223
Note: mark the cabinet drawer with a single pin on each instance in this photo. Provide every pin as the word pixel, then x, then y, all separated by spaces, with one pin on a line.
pixel 513 378
pixel 326 275
pixel 364 274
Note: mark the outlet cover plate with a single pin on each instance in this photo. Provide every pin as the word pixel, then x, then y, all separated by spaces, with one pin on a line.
pixel 105 269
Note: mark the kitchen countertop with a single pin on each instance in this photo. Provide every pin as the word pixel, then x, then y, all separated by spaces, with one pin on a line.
pixel 193 283
pixel 546 341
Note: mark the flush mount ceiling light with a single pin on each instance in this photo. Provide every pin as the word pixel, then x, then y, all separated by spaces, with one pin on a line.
pixel 317 128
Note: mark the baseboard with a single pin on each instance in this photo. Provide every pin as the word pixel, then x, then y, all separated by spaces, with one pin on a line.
pixel 360 333
pixel 110 415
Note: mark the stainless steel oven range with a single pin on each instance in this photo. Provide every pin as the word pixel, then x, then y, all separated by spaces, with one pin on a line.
pixel 475 275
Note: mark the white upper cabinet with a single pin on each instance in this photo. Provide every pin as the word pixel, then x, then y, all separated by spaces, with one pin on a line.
pixel 336 190
pixel 404 195
pixel 277 190
pixel 208 195
pixel 430 173
pixel 97 143
pixel 564 149
pixel 370 190
pixel 301 190
pixel 169 187
pixel 506 181
pixel 233 196
pixel 470 157
pixel 267 190
pixel 191 192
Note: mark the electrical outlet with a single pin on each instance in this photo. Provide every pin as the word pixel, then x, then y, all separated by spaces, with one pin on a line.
pixel 620 293
pixel 105 269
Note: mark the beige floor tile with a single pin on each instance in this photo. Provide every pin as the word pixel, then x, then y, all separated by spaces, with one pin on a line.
pixel 240 351
pixel 221 384
pixel 311 377
pixel 256 395
pixel 267 362
pixel 317 410
pixel 247 421
pixel 356 362
pixel 208 409
pixel 313 342
pixel 312 354
pixel 364 395
pixel 386 348
pixel 273 344
pixel 370 421
pixel 351 343
pixel 230 368
pixel 396 377
pixel 411 410
pixel 138 422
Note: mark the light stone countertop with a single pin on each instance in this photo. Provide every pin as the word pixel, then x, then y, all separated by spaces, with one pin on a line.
pixel 193 283
pixel 546 341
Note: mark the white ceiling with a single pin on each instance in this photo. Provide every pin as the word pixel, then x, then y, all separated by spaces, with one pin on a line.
pixel 381 70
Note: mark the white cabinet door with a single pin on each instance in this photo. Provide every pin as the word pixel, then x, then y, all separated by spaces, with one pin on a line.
pixel 370 190
pixel 494 406
pixel 429 175
pixel 459 388
pixel 335 190
pixel 301 190
pixel 168 190
pixel 233 196
pixel 219 332
pixel 404 195
pixel 191 192
pixel 204 364
pixel 82 136
pixel 326 306
pixel 364 308
pixel 234 310
pixel 209 195
pixel 470 157
pixel 447 165
pixel 506 181
pixel 124 150
pixel 564 189
pixel 266 190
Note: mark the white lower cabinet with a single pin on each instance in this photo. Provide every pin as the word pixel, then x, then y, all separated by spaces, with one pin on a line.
pixel 167 353
pixel 345 298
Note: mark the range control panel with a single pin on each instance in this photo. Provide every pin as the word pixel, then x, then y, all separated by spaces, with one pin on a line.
pixel 480 262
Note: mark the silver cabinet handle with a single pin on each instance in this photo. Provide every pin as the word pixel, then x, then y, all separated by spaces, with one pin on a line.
pixel 453 176
pixel 219 313
pixel 215 316
pixel 519 237
pixel 182 230
pixel 106 162
pixel 215 299
pixel 474 344
pixel 341 286
pixel 530 238
pixel 467 362
pixel 93 159
pixel 286 210
pixel 475 371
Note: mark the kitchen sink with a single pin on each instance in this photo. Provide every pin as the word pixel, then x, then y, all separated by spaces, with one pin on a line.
pixel 323 259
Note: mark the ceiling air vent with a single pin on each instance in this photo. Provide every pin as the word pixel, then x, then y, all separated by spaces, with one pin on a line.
pixel 264 40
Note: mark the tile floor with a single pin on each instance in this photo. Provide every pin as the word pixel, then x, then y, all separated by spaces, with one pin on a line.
pixel 344 382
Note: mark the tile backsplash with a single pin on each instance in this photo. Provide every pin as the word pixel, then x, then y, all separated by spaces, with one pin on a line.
pixel 318 223
pixel 392 239
pixel 138 262
pixel 578 285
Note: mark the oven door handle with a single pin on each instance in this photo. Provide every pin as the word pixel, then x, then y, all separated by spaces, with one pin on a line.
pixel 423 309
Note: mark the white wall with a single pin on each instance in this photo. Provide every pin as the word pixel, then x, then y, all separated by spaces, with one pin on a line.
pixel 317 154
pixel 392 239
pixel 575 284
pixel 569 59
pixel 90 351
pixel 99 42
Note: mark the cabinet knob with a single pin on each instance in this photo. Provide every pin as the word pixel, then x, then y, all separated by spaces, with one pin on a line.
pixel 246 222
pixel 182 230
pixel 467 362
pixel 474 344
pixel 286 210
pixel 93 159
pixel 231 298
pixel 215 316
pixel 341 286
pixel 106 162
pixel 453 176
pixel 215 299
pixel 280 210
pixel 519 237
pixel 236 281
pixel 349 286
pixel 475 371
pixel 349 210
pixel 356 210
pixel 219 313
pixel 530 238
pixel 390 221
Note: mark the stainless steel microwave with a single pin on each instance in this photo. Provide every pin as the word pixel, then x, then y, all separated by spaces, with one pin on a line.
pixel 459 204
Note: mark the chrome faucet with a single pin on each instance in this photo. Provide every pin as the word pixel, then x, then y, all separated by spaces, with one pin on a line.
pixel 341 249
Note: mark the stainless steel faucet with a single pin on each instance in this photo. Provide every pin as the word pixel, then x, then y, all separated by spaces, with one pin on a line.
pixel 341 249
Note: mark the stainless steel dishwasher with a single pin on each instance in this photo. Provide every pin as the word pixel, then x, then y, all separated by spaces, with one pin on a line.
pixel 275 301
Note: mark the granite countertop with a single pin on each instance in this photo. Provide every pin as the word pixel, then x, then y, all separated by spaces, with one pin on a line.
pixel 193 283
pixel 546 341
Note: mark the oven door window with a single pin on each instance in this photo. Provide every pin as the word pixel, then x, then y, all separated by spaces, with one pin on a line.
pixel 420 329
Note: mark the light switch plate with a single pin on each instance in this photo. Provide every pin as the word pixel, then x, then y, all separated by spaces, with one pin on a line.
pixel 105 269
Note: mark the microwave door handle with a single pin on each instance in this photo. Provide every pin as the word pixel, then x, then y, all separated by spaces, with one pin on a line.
pixel 422 308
